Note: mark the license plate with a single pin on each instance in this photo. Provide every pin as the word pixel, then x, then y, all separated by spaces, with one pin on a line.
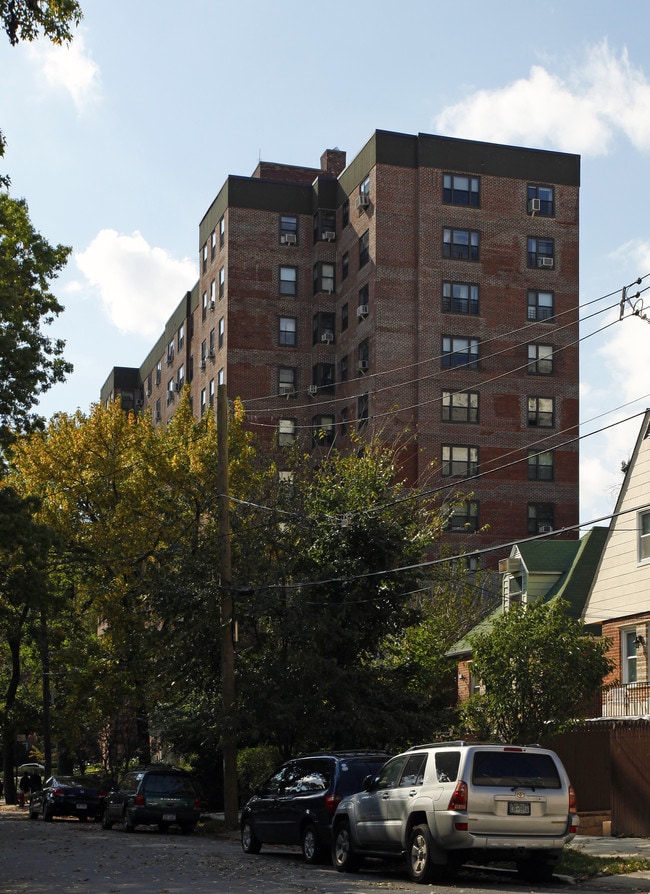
pixel 82 806
pixel 169 817
pixel 518 808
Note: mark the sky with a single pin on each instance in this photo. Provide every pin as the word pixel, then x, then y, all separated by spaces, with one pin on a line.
pixel 120 142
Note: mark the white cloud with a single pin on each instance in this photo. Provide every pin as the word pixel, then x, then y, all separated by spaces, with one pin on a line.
pixel 139 285
pixel 69 68
pixel 603 98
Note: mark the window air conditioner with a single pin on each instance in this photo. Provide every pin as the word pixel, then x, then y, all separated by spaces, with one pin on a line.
pixel 312 391
pixel 212 303
pixel 545 529
pixel 203 363
pixel 534 206
pixel 211 354
pixel 545 262
pixel 362 310
pixel 362 365
pixel 288 239
pixel 327 337
pixel 286 390
pixel 362 200
pixel 329 235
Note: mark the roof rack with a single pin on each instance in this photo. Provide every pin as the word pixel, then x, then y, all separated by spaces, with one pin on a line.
pixel 457 743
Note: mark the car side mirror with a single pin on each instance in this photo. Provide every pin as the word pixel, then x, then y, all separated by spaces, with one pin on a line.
pixel 368 782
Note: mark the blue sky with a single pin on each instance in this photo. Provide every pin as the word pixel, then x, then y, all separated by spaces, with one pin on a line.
pixel 120 142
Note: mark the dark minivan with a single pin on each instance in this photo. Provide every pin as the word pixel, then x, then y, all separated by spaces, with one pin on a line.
pixel 153 796
pixel 296 804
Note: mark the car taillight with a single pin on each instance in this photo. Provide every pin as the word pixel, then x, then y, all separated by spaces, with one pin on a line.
pixel 197 803
pixel 573 803
pixel 332 802
pixel 57 791
pixel 458 800
pixel 139 801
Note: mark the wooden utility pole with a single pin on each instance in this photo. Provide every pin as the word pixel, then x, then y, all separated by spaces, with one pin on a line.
pixel 229 742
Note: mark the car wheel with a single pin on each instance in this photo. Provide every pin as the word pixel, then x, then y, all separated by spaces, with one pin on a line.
pixel 163 827
pixel 33 814
pixel 535 870
pixel 418 855
pixel 344 857
pixel 127 825
pixel 312 849
pixel 249 841
pixel 107 822
pixel 47 814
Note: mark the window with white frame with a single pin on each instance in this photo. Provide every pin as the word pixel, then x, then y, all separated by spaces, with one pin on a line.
pixel 644 536
pixel 222 282
pixel 541 412
pixel 222 331
pixel 628 655
pixel 204 401
pixel 540 360
pixel 286 432
pixel 221 377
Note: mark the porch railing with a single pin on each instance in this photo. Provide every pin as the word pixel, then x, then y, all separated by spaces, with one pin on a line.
pixel 628 700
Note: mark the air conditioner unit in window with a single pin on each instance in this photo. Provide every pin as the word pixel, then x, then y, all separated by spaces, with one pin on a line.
pixel 510 565
pixel 329 235
pixel 545 262
pixel 286 390
pixel 288 239
pixel 545 529
pixel 362 201
pixel 327 337
pixel 203 363
pixel 172 387
pixel 363 365
pixel 362 310
pixel 211 354
pixel 312 391
pixel 534 206
pixel 212 303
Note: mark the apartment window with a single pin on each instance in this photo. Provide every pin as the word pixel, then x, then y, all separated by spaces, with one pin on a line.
pixel 363 410
pixel 222 331
pixel 628 656
pixel 204 257
pixel 459 351
pixel 541 518
pixel 149 384
pixel 204 401
pixel 540 305
pixel 158 411
pixel 541 412
pixel 461 245
pixel 181 336
pixel 464 518
pixel 644 536
pixel 204 353
pixel 158 372
pixel 345 265
pixel 323 328
pixel 460 298
pixel 221 377
pixel 287 332
pixel 212 342
pixel 324 226
pixel 459 461
pixel 541 252
pixel 363 356
pixel 540 465
pixel 170 352
pixel 213 245
pixel 171 388
pixel 286 432
pixel 222 230
pixel 222 282
pixel 204 305
pixel 364 248
pixel 364 186
pixel 459 189
pixel 323 277
pixel 289 281
pixel 323 377
pixel 460 406
pixel 287 381
pixel 363 302
pixel 540 360
pixel 344 317
pixel 211 393
pixel 345 213
pixel 322 430
pixel 344 368
pixel 213 294
pixel 288 229
pixel 181 376
pixel 541 200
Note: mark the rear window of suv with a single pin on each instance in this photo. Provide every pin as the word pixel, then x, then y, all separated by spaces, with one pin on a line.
pixel 516 769
pixel 169 785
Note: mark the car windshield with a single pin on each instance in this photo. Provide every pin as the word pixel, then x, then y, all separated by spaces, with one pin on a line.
pixel 515 769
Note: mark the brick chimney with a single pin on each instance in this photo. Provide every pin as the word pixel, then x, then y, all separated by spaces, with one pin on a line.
pixel 332 161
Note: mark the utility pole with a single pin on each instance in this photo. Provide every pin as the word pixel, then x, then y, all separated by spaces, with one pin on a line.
pixel 229 741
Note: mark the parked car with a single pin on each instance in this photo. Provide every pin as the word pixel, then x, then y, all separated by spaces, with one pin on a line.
pixel 153 796
pixel 67 796
pixel 450 803
pixel 296 804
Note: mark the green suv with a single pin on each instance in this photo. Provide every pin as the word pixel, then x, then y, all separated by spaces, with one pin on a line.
pixel 153 797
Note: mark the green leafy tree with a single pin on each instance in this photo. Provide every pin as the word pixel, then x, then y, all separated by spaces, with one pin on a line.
pixel 30 361
pixel 539 669
pixel 28 19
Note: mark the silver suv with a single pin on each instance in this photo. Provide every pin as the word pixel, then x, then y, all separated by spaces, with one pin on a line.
pixel 450 803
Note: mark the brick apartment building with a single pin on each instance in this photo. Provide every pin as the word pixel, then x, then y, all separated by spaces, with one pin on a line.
pixel 427 290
